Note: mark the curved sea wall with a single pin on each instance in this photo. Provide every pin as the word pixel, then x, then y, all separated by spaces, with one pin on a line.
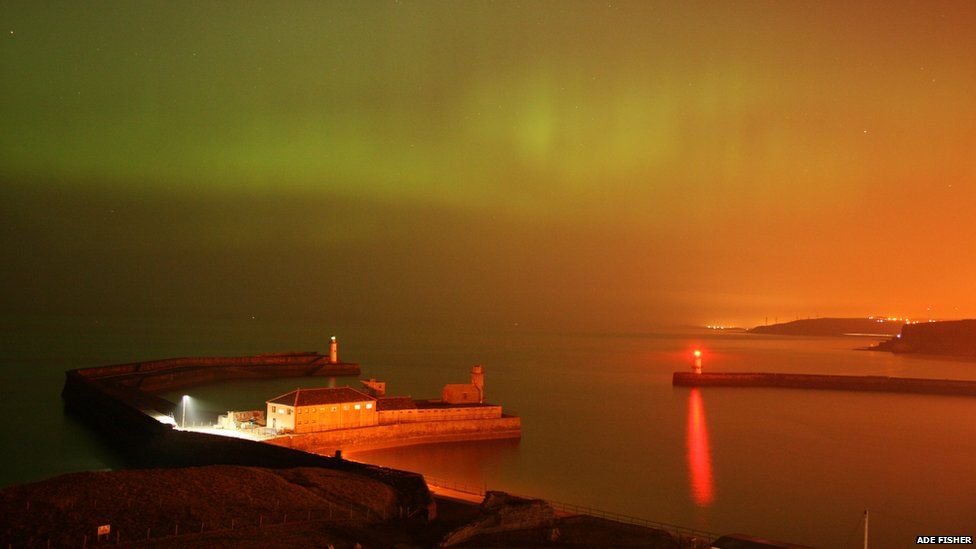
pixel 127 418
pixel 173 373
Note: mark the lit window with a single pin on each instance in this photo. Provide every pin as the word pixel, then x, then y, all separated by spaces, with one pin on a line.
pixel 357 406
pixel 369 405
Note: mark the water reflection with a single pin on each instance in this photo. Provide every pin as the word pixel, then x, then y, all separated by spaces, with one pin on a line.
pixel 699 455
pixel 472 464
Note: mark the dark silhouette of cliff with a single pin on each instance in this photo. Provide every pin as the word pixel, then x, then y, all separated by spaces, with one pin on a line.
pixel 831 327
pixel 950 337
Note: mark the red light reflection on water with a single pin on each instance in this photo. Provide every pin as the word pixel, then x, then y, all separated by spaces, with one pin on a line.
pixel 699 456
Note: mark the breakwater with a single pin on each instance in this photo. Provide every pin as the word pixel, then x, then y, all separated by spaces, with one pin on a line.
pixel 829 382
pixel 173 373
pixel 113 401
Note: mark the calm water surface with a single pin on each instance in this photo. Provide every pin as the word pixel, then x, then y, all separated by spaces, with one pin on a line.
pixel 602 425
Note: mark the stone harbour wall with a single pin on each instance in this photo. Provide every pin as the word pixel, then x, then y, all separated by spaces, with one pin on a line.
pixel 403 434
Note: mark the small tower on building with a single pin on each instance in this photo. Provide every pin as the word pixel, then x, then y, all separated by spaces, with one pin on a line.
pixel 373 387
pixel 466 393
pixel 333 350
pixel 478 380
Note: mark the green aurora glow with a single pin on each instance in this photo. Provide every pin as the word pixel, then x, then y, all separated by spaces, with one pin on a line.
pixel 638 161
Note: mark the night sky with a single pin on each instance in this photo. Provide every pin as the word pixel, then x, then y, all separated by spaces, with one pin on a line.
pixel 597 165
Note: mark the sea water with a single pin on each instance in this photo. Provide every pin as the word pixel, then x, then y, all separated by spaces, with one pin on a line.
pixel 601 424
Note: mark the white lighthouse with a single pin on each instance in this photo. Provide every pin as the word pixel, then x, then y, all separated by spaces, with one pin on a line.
pixel 333 350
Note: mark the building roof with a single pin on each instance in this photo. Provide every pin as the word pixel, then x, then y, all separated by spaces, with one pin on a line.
pixel 320 395
pixel 437 403
pixel 461 386
pixel 395 403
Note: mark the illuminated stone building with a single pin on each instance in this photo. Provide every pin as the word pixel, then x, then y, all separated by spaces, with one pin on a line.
pixel 466 393
pixel 329 409
pixel 321 409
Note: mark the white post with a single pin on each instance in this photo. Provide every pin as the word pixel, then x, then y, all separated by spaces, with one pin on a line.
pixel 865 529
pixel 185 399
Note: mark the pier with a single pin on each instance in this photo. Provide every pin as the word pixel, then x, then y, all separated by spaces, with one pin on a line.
pixel 883 384
pixel 118 403
pixel 173 373
pixel 302 428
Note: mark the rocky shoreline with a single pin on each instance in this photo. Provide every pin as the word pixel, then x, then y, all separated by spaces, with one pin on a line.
pixel 235 506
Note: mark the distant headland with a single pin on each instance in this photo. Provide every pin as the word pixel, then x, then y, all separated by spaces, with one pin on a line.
pixel 834 327
pixel 947 337
pixel 933 337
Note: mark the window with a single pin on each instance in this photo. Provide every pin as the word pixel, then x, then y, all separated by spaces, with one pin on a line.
pixel 358 406
pixel 369 405
pixel 274 409
pixel 322 409
pixel 345 406
pixel 333 408
pixel 289 411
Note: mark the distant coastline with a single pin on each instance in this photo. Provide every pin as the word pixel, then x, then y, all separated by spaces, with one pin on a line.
pixel 833 327
pixel 956 338
pixel 950 338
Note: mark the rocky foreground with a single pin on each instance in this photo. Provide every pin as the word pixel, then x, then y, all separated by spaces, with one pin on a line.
pixel 232 506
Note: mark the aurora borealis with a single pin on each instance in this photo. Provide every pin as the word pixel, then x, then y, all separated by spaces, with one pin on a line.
pixel 547 163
